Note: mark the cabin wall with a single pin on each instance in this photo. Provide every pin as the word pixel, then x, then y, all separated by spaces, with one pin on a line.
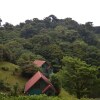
pixel 38 87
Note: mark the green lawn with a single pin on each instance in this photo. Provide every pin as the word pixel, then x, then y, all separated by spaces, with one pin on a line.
pixel 11 75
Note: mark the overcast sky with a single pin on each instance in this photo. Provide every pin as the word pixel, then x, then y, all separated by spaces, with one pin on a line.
pixel 16 11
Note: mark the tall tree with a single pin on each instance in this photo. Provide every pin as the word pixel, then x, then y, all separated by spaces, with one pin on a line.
pixel 78 77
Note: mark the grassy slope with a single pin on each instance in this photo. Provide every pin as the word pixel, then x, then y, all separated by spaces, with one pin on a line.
pixel 66 96
pixel 9 77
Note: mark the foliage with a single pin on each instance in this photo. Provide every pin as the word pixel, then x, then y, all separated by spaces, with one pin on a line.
pixel 11 77
pixel 66 96
pixel 79 76
pixel 27 57
pixel 73 47
pixel 4 86
pixel 15 90
pixel 29 70
pixel 55 80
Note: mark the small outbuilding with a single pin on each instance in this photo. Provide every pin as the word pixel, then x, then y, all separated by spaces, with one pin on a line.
pixel 44 66
pixel 39 84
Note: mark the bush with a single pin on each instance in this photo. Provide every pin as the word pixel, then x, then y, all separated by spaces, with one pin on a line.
pixel 15 90
pixel 5 68
pixel 29 70
pixel 4 87
pixel 1 84
pixel 55 80
pixel 16 69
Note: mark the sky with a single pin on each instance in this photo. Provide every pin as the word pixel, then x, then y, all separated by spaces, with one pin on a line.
pixel 82 11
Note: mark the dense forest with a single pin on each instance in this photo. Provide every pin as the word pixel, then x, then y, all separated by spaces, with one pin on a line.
pixel 71 48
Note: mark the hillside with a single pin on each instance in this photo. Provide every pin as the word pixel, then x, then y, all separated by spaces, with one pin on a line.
pixel 72 49
pixel 10 75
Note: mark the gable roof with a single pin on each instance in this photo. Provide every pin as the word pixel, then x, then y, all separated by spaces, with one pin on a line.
pixel 39 63
pixel 35 79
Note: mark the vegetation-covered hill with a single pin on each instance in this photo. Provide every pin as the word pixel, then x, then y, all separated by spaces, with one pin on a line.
pixel 10 75
pixel 69 46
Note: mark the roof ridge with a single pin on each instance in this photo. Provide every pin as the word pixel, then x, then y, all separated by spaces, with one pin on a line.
pixel 40 74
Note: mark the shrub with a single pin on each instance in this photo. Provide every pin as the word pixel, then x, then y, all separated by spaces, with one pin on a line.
pixel 5 68
pixel 29 70
pixel 4 87
pixel 1 84
pixel 56 82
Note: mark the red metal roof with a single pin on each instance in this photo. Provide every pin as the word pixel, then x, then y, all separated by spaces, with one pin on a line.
pixel 39 63
pixel 35 79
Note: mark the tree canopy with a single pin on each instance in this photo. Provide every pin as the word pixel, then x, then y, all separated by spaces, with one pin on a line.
pixel 71 47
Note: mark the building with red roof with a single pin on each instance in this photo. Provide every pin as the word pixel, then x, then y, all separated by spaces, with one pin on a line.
pixel 40 63
pixel 44 66
pixel 39 84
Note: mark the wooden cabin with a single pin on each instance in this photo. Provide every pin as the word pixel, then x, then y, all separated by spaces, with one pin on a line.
pixel 39 84
pixel 44 66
